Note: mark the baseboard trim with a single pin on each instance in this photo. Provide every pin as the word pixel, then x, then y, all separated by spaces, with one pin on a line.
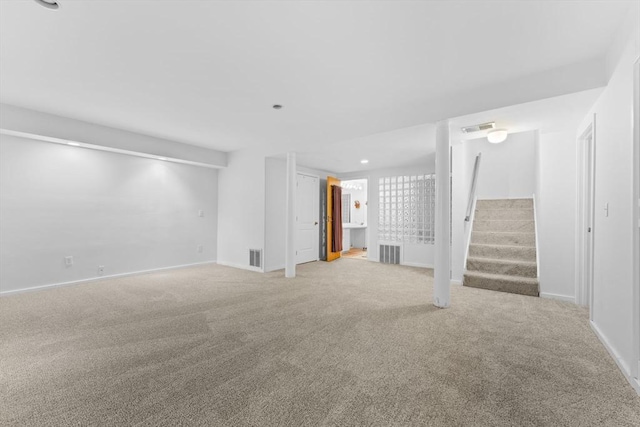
pixel 99 278
pixel 565 298
pixel 240 266
pixel 276 268
pixel 456 282
pixel 616 357
pixel 415 264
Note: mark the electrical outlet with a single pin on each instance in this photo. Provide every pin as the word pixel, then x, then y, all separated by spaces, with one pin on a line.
pixel 68 261
pixel 100 270
pixel 200 213
pixel 200 249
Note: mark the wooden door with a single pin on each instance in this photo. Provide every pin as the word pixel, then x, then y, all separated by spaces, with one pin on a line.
pixel 330 254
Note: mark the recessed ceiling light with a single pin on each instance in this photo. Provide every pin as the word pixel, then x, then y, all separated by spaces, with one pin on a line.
pixel 75 144
pixel 364 161
pixel 277 107
pixel 497 136
pixel 49 4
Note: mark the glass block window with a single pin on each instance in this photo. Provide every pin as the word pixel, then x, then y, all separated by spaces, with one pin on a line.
pixel 407 208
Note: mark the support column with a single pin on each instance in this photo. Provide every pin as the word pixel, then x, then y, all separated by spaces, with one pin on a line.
pixel 442 264
pixel 290 217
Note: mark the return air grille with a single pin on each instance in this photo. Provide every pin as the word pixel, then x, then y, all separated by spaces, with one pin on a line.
pixel 255 258
pixel 478 128
pixel 390 254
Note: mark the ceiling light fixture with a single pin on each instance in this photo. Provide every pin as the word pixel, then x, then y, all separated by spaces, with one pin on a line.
pixel 49 4
pixel 277 107
pixel 364 161
pixel 497 136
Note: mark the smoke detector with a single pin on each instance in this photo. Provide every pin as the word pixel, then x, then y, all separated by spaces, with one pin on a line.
pixel 478 128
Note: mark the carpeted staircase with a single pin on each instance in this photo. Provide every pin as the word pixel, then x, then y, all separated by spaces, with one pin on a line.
pixel 502 253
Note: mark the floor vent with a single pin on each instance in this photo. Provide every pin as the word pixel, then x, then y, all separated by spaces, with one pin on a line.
pixel 255 258
pixel 390 254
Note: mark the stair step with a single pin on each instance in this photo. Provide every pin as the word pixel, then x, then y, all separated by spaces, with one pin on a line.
pixel 503 267
pixel 513 214
pixel 504 225
pixel 501 283
pixel 522 253
pixel 505 204
pixel 504 238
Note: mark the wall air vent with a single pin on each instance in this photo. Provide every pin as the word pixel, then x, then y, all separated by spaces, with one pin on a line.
pixel 478 128
pixel 390 254
pixel 255 258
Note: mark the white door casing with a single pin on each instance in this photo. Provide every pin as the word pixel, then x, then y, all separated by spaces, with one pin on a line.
pixel 307 218
pixel 586 210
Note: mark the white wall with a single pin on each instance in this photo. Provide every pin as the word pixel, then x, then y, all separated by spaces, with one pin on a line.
pixel 613 264
pixel 414 254
pixel 507 169
pixel 126 213
pixel 241 208
pixel 35 122
pixel 556 214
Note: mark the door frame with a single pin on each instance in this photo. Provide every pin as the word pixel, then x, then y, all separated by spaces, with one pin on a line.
pixel 635 364
pixel 369 193
pixel 586 171
pixel 331 256
pixel 317 214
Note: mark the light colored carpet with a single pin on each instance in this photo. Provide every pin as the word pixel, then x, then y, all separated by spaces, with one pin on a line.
pixel 344 343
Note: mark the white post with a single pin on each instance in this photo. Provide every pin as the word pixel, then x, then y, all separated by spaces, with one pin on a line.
pixel 442 265
pixel 290 218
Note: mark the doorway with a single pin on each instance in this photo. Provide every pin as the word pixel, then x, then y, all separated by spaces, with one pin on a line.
pixel 586 213
pixel 307 218
pixel 635 368
pixel 354 218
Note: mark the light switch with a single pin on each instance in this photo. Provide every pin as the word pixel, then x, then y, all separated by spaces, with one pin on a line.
pixel 200 213
pixel 606 209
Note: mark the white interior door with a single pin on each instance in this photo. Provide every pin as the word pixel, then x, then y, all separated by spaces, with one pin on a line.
pixel 590 207
pixel 307 217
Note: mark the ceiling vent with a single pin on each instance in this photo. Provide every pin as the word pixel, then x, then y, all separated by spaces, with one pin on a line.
pixel 478 128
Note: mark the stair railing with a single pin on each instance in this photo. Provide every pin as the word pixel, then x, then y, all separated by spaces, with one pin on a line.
pixel 468 228
pixel 474 185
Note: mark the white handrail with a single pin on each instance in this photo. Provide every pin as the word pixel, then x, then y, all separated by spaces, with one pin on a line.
pixel 474 184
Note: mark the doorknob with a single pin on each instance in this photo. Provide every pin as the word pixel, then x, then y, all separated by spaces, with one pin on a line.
pixel 315 223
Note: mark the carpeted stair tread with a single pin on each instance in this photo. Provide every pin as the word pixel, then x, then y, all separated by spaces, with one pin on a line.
pixel 504 225
pixel 504 261
pixel 505 214
pixel 502 283
pixel 524 253
pixel 516 268
pixel 505 204
pixel 507 238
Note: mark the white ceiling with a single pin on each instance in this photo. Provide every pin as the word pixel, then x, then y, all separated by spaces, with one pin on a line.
pixel 415 145
pixel 207 73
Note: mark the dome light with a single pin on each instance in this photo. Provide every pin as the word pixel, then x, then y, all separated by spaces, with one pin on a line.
pixel 497 136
